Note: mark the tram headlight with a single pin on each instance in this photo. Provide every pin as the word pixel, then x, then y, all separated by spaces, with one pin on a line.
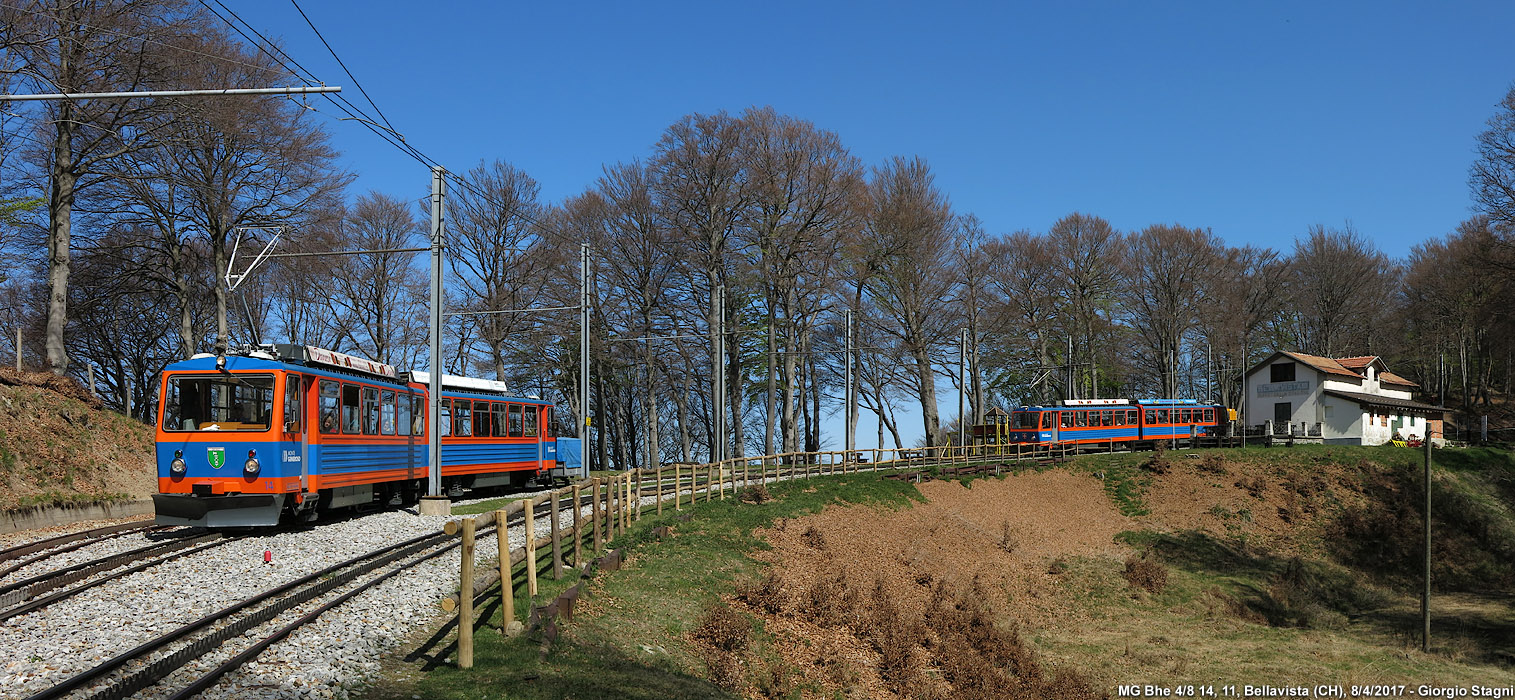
pixel 250 467
pixel 177 467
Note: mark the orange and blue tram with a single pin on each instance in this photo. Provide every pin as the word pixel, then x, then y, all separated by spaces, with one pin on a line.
pixel 289 432
pixel 1103 421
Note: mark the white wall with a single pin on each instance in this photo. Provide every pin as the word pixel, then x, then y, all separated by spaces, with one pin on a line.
pixel 1304 396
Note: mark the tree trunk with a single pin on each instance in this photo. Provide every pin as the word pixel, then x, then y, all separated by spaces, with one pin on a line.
pixel 734 387
pixel 218 253
pixel 60 213
pixel 926 380
pixel 770 399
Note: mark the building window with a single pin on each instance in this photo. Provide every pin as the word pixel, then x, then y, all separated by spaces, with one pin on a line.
pixel 1281 372
pixel 1283 412
pixel 1328 411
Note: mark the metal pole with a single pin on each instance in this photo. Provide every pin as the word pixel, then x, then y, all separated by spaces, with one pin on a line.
pixel 171 93
pixel 1425 596
pixel 851 396
pixel 434 398
pixel 584 357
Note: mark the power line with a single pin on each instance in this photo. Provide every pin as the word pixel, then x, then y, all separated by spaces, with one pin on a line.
pixel 343 65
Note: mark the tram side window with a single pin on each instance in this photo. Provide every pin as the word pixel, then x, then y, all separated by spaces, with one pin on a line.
pixel 1183 415
pixel 446 417
pixel 418 409
pixel 1131 416
pixel 330 394
pixel 1209 415
pixel 387 414
pixel 352 422
pixel 1151 417
pixel 531 420
pixel 515 420
pixel 483 425
pixel 1119 418
pixel 547 430
pixel 1067 420
pixel 500 429
pixel 402 422
pixel 1048 419
pixel 1162 415
pixel 462 419
pixel 370 411
pixel 1081 419
pixel 292 411
pixel 1106 419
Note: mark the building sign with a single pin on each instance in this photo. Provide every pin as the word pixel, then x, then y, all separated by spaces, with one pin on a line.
pixel 1283 388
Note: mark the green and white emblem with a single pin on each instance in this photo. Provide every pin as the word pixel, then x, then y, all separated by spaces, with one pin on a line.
pixel 216 456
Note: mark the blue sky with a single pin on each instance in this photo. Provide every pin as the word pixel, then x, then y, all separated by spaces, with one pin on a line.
pixel 1256 120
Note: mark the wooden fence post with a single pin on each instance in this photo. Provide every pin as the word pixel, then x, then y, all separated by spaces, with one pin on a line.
pixel 658 476
pixel 557 541
pixel 578 532
pixel 626 503
pixel 531 550
pixel 709 482
pixel 721 470
pixel 465 597
pixel 594 512
pixel 638 500
pixel 746 480
pixel 678 495
pixel 507 586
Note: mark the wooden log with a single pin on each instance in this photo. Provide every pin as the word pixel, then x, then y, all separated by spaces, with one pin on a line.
pixel 507 587
pixel 531 551
pixel 557 540
pixel 465 596
pixel 578 559
pixel 594 513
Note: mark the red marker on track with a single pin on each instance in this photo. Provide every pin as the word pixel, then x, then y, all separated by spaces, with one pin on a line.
pixel 268 556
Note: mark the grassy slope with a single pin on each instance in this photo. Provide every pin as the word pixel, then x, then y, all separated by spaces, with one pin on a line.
pixel 57 449
pixel 1233 611
pixel 627 639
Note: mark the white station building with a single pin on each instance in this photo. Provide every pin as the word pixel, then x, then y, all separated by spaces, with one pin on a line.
pixel 1354 400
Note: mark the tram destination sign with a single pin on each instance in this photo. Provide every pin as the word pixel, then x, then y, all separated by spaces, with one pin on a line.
pixel 1283 388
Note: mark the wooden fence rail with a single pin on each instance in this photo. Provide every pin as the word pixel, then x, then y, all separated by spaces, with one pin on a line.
pixel 614 502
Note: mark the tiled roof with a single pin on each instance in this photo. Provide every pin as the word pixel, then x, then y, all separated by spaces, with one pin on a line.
pixel 1392 378
pixel 1356 362
pixel 1324 364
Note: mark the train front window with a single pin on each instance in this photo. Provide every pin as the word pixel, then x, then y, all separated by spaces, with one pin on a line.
pixel 1025 420
pixel 219 402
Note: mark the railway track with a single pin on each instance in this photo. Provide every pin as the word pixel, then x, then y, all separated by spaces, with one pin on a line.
pixel 40 591
pixel 64 548
pixel 84 537
pixel 156 660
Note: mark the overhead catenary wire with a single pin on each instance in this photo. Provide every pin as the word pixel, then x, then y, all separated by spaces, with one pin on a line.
pixel 334 55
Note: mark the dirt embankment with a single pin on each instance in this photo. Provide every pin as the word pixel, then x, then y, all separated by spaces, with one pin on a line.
pixel 59 445
pixel 889 603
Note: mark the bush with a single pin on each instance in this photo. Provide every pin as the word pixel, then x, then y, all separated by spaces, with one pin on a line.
pixel 813 538
pixel 1146 574
pixel 766 594
pixel 757 493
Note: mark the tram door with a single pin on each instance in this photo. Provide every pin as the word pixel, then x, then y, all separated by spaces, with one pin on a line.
pixel 295 447
pixel 1049 422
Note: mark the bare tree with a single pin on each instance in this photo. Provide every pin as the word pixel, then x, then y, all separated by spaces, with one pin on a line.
pixel 1088 254
pixel 1168 270
pixel 912 234
pixel 85 46
pixel 493 231
pixel 1339 290
pixel 384 291
pixel 806 189
pixel 702 183
pixel 1492 176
